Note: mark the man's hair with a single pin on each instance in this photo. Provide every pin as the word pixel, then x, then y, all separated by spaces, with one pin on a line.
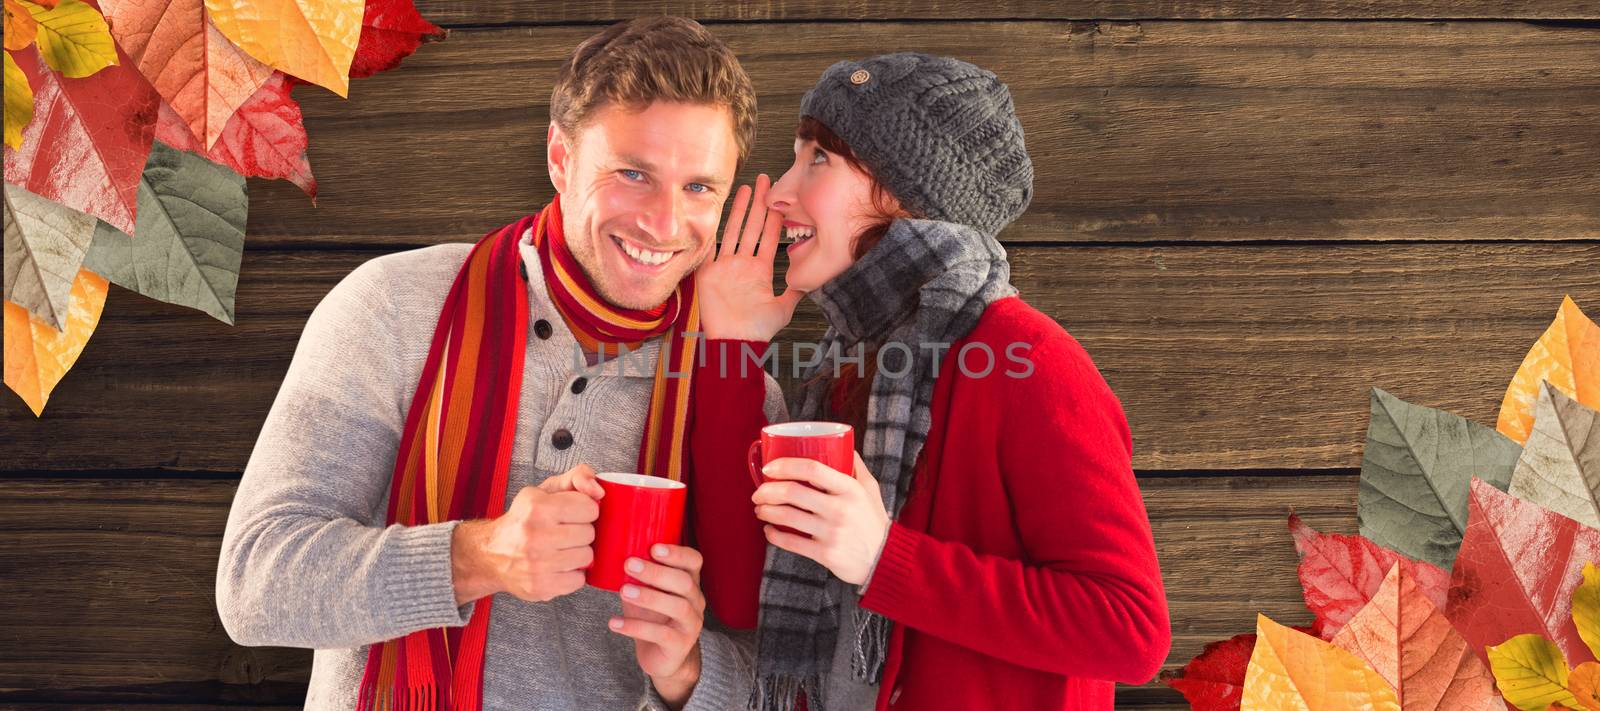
pixel 636 62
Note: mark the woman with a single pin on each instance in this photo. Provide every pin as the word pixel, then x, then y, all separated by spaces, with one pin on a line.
pixel 991 549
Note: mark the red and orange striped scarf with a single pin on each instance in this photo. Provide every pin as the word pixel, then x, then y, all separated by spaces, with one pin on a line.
pixel 455 451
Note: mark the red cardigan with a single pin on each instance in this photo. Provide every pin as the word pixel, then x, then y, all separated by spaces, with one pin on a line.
pixel 1021 573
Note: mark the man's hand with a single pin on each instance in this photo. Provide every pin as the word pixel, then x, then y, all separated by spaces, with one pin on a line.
pixel 664 616
pixel 538 549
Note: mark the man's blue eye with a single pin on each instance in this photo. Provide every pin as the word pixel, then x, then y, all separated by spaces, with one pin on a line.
pixel 699 187
pixel 632 174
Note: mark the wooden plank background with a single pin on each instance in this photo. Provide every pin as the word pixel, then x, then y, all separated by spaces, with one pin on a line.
pixel 1249 212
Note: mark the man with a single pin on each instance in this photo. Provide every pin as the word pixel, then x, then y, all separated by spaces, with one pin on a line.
pixel 420 505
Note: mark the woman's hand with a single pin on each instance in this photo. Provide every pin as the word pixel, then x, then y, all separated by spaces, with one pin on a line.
pixel 735 284
pixel 843 515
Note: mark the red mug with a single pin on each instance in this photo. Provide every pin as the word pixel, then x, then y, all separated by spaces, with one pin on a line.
pixel 832 443
pixel 637 512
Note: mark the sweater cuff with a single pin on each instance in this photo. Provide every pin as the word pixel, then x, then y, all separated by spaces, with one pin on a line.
pixel 893 578
pixel 415 587
pixel 718 688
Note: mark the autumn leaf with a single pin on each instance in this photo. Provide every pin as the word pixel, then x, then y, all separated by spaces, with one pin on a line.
pixel 73 38
pixel 265 138
pixel 1340 573
pixel 1214 679
pixel 1415 472
pixel 1567 355
pixel 1517 571
pixel 88 140
pixel 1584 683
pixel 1412 645
pixel 191 235
pixel 45 243
pixel 20 29
pixel 1586 608
pixel 390 31
pixel 314 40
pixel 1560 464
pixel 202 75
pixel 1530 672
pixel 38 356
pixel 18 101
pixel 1291 670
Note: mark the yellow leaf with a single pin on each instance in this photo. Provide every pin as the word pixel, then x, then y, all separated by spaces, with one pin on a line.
pixel 1293 670
pixel 1586 608
pixel 1531 672
pixel 1567 355
pixel 20 27
pixel 310 39
pixel 38 356
pixel 1584 683
pixel 18 102
pixel 73 38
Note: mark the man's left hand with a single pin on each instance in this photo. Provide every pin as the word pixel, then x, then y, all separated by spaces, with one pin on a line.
pixel 663 610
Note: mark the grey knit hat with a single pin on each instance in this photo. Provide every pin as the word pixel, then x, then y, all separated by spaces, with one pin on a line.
pixel 939 133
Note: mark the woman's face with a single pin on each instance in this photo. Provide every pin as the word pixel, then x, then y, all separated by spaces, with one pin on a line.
pixel 825 203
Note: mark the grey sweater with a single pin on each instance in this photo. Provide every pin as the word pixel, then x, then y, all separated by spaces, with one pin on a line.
pixel 307 561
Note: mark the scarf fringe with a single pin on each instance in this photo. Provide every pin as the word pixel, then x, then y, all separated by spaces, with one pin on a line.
pixel 872 644
pixel 781 692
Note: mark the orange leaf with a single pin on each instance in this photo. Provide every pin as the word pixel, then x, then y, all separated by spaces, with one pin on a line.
pixel 1584 683
pixel 20 28
pixel 314 40
pixel 38 356
pixel 1293 670
pixel 203 76
pixel 1567 355
pixel 1413 646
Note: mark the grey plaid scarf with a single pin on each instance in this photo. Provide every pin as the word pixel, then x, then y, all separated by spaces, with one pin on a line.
pixel 926 282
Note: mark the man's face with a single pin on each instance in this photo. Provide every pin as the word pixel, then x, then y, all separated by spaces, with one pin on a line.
pixel 642 193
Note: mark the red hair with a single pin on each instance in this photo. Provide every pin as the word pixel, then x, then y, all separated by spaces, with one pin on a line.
pixel 858 381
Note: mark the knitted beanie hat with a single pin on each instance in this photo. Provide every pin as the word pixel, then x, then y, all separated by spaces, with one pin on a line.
pixel 939 133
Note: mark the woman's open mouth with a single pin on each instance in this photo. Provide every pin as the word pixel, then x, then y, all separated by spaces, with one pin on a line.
pixel 798 235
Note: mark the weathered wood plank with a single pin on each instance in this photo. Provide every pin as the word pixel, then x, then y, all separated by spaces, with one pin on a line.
pixel 1141 131
pixel 507 11
pixel 108 591
pixel 1225 358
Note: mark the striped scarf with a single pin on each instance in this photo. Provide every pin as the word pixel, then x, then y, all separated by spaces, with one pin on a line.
pixel 926 282
pixel 455 452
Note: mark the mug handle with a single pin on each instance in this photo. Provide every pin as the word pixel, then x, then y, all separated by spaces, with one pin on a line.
pixel 753 458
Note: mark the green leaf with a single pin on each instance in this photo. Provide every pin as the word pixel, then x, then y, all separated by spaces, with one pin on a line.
pixel 1560 464
pixel 45 242
pixel 1416 472
pixel 1531 672
pixel 191 222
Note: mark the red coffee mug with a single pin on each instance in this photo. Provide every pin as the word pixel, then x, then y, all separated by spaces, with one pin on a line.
pixel 832 443
pixel 637 512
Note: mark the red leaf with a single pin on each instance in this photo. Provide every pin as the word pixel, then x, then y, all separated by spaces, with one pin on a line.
pixel 88 140
pixel 1516 571
pixel 266 137
pixel 390 31
pixel 1340 574
pixel 1214 679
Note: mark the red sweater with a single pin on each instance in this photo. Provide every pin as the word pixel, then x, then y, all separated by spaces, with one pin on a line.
pixel 1021 573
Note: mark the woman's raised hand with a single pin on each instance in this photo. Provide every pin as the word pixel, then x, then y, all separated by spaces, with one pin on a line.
pixel 735 284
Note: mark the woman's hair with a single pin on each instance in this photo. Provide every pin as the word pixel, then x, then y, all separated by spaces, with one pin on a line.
pixel 888 209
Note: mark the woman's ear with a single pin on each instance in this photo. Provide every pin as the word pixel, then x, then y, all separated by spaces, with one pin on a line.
pixel 558 156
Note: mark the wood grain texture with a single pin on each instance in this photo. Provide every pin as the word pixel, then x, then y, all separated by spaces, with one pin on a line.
pixel 108 595
pixel 1224 357
pixel 450 12
pixel 1140 131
